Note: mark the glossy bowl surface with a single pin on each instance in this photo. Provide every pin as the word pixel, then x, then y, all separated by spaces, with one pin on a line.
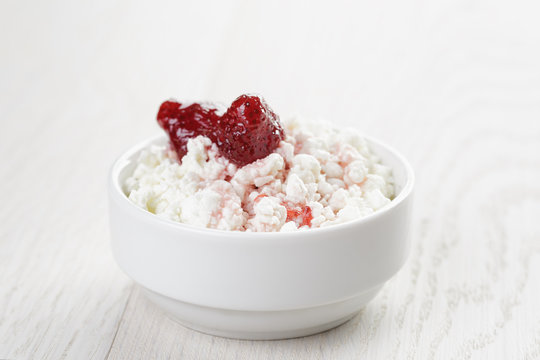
pixel 260 285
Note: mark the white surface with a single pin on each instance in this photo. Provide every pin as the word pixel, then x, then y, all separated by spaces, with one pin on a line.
pixel 454 85
pixel 260 285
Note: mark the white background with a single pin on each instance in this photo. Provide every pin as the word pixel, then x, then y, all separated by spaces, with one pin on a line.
pixel 455 85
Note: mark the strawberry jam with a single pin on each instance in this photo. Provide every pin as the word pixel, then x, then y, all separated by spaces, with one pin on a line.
pixel 249 130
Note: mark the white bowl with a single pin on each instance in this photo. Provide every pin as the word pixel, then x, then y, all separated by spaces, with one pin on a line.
pixel 260 285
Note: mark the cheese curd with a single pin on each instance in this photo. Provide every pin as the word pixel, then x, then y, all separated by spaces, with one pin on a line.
pixel 318 176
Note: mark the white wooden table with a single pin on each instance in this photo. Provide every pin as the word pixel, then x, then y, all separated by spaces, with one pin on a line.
pixel 455 85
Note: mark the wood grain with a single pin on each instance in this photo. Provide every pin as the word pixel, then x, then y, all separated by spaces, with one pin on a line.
pixel 455 85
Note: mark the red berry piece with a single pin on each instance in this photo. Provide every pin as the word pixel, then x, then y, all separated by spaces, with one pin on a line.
pixel 184 122
pixel 248 131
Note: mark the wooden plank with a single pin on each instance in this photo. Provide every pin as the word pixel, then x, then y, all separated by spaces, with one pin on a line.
pixel 454 86
pixel 66 112
pixel 450 90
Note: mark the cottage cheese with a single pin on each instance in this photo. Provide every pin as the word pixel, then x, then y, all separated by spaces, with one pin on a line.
pixel 331 171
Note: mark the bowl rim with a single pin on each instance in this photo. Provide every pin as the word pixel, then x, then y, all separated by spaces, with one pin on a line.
pixel 115 190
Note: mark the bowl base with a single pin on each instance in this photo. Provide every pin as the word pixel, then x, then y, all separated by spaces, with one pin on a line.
pixel 262 325
pixel 267 335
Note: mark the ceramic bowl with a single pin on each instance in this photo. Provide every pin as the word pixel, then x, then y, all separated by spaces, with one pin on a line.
pixel 260 285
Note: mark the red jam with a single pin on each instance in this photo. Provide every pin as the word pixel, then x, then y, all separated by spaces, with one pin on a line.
pixel 249 130
pixel 301 215
pixel 184 122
